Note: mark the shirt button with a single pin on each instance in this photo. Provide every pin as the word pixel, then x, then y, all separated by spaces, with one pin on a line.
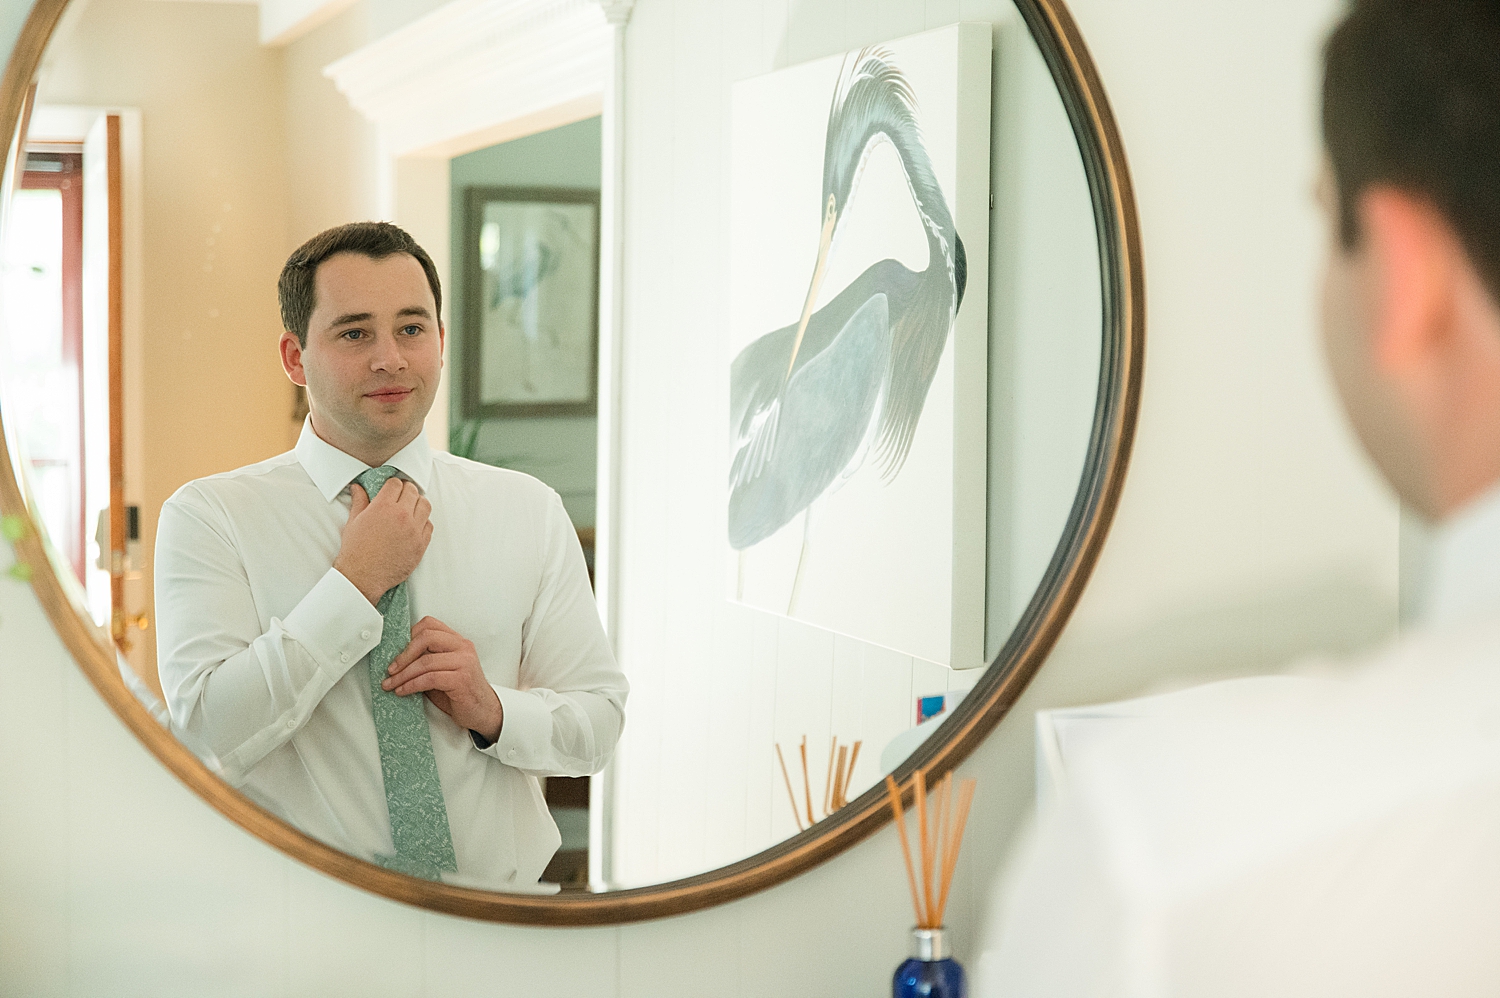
pixel 365 634
pixel 511 754
pixel 343 656
pixel 291 725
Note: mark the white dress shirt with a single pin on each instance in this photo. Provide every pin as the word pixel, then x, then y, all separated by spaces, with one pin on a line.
pixel 1334 832
pixel 263 648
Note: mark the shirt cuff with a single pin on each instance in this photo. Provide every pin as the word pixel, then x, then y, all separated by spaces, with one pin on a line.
pixel 525 731
pixel 335 623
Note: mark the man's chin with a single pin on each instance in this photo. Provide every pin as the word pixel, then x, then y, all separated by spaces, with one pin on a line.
pixel 394 427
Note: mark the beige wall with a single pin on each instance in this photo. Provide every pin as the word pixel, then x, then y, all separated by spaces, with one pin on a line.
pixel 330 147
pixel 215 210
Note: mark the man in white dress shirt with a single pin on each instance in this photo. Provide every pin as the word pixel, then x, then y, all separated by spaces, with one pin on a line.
pixel 267 580
pixel 1335 831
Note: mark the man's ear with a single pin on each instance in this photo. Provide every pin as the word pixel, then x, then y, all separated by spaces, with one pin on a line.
pixel 1411 251
pixel 442 344
pixel 291 358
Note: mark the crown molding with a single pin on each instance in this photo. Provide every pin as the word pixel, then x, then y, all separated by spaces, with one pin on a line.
pixel 476 72
pixel 284 21
pixel 617 11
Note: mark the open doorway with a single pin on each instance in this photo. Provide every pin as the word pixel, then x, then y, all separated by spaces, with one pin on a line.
pixel 43 302
pixel 560 450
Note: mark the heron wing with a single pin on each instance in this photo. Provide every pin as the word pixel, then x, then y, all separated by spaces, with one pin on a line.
pixel 799 441
pixel 756 380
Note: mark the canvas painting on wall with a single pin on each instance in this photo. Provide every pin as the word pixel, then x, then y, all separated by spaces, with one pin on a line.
pixel 531 269
pixel 857 342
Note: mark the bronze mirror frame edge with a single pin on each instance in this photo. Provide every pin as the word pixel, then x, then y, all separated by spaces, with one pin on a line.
pixel 1122 357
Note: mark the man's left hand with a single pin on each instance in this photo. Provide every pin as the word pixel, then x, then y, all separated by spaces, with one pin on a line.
pixel 443 664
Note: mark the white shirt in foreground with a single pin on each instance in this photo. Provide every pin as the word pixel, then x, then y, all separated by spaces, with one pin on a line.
pixel 262 648
pixel 1334 833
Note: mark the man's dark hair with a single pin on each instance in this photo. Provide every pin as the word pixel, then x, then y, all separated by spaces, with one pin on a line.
pixel 376 240
pixel 1411 98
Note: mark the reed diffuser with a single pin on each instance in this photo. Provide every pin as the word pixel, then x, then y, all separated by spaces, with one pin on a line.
pixel 841 763
pixel 931 972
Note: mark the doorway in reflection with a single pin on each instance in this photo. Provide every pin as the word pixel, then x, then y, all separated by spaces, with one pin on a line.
pixel 561 451
pixel 43 301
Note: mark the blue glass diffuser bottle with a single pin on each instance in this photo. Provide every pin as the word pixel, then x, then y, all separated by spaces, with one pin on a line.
pixel 931 972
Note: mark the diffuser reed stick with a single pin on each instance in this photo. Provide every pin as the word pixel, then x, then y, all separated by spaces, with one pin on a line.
pixel 955 840
pixel 806 785
pixel 836 782
pixel 840 779
pixel 789 794
pixel 853 758
pixel 911 878
pixel 829 800
pixel 941 818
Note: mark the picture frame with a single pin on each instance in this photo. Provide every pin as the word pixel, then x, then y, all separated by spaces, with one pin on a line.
pixel 530 338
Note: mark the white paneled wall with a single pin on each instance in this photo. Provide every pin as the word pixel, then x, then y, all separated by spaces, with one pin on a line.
pixel 1249 530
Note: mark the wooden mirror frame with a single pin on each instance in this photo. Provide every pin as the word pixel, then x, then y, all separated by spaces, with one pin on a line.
pixel 1122 284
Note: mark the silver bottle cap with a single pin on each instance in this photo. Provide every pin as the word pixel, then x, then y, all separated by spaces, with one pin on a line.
pixel 929 945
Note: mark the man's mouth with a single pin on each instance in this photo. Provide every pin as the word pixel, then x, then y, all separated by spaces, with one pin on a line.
pixel 388 394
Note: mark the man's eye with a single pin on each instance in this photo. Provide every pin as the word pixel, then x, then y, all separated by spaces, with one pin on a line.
pixel 412 330
pixel 352 334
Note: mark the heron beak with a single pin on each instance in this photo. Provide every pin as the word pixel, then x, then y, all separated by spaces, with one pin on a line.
pixel 824 242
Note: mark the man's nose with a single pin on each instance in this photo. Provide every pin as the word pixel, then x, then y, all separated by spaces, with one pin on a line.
pixel 387 355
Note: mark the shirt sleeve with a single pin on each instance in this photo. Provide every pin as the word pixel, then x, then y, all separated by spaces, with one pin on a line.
pixel 566 715
pixel 240 688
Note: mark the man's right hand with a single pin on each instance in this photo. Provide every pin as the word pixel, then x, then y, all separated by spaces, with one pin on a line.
pixel 385 539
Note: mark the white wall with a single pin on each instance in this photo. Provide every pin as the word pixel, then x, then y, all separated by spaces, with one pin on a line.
pixel 1249 530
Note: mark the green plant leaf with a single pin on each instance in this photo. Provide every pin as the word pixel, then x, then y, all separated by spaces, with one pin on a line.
pixel 12 528
pixel 20 570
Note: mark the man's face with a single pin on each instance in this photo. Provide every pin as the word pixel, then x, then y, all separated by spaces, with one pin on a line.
pixel 373 355
pixel 1351 303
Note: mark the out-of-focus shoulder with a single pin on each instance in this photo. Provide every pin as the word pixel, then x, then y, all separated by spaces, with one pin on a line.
pixel 211 490
pixel 487 477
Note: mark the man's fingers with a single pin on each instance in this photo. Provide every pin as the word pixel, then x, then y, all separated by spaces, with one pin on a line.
pixel 359 499
pixel 430 623
pixel 437 681
pixel 413 651
pixel 393 489
pixel 429 662
pixel 409 497
pixel 422 644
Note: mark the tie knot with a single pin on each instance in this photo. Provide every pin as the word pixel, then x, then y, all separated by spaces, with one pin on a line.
pixel 374 479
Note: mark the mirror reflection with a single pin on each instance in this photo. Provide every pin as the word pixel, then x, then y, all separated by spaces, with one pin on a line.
pixel 333 488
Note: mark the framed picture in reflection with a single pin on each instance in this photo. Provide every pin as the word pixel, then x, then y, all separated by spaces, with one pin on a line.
pixel 530 302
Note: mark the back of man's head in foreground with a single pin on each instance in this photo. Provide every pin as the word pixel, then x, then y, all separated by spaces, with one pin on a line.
pixel 1411 98
pixel 297 288
pixel 1411 126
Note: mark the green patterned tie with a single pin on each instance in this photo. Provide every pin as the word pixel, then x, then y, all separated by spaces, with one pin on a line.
pixel 413 795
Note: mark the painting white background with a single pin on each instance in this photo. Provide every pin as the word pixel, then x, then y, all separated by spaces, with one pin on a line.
pixel 880 565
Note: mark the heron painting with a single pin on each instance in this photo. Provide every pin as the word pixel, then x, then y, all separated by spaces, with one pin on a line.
pixel 852 401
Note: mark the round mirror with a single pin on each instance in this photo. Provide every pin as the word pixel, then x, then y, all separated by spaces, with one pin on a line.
pixel 784 416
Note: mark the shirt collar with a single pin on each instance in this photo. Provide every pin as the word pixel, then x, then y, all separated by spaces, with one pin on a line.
pixel 332 470
pixel 1465 567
